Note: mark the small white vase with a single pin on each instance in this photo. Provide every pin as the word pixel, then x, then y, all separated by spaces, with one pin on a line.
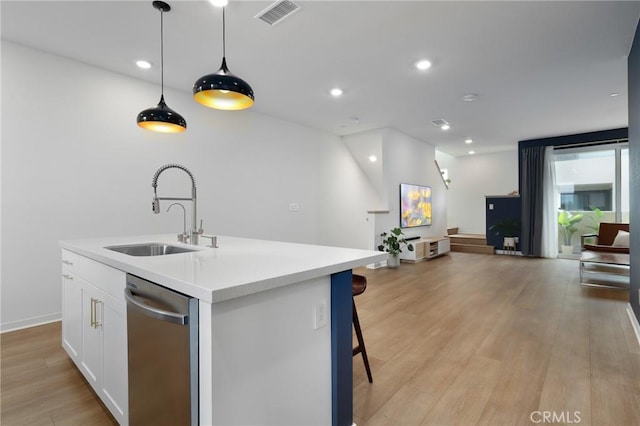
pixel 393 261
pixel 509 242
pixel 566 249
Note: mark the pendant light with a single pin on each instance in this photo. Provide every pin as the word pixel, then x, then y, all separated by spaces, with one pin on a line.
pixel 161 118
pixel 223 90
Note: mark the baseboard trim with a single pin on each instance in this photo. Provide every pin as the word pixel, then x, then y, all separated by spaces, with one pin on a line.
pixel 509 252
pixel 377 265
pixel 634 322
pixel 30 322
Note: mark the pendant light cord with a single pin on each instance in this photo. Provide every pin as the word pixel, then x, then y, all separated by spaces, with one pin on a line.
pixel 162 53
pixel 224 35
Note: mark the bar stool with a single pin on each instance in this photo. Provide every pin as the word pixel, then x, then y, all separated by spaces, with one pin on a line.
pixel 358 286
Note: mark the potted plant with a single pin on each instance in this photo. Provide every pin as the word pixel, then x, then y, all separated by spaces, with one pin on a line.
pixel 594 220
pixel 593 226
pixel 509 229
pixel 392 243
pixel 568 222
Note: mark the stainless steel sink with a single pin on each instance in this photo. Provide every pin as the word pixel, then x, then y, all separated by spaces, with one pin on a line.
pixel 150 249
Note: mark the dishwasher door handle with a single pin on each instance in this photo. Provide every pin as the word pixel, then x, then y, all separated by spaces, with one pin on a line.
pixel 160 314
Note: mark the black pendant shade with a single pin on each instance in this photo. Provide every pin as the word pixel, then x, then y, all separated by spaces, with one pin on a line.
pixel 161 118
pixel 222 89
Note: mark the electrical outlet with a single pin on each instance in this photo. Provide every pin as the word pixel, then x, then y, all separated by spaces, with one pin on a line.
pixel 320 314
pixel 294 207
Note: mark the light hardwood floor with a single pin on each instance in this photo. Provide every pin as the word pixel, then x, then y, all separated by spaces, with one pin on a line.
pixel 40 385
pixel 462 339
pixel 488 340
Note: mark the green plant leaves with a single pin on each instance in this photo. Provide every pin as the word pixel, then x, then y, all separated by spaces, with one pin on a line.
pixel 393 242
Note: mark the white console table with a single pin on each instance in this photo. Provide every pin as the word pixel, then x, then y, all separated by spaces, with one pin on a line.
pixel 426 248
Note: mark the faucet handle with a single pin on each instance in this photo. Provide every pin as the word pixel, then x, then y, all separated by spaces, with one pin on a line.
pixel 214 240
pixel 200 230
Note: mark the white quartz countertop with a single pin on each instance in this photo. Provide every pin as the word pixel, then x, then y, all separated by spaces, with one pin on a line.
pixel 238 267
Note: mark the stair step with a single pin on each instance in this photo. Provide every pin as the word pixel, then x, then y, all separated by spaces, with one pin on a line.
pixel 472 248
pixel 470 239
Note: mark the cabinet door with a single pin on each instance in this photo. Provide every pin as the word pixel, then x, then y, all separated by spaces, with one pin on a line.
pixel 444 246
pixel 94 328
pixel 92 319
pixel 72 316
pixel 115 384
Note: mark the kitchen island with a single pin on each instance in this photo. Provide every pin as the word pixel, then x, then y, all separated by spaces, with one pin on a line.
pixel 274 324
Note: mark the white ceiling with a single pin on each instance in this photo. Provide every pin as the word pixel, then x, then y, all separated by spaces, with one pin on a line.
pixel 540 68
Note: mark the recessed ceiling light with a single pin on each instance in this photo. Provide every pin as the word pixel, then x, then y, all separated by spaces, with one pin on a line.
pixel 373 158
pixel 468 141
pixel 143 64
pixel 423 64
pixel 470 97
pixel 335 92
pixel 219 3
pixel 445 127
pixel 614 94
pixel 471 152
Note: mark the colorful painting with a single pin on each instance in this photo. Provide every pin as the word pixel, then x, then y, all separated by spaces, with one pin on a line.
pixel 415 205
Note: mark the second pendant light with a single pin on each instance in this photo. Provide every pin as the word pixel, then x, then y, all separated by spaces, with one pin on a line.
pixel 222 89
pixel 161 118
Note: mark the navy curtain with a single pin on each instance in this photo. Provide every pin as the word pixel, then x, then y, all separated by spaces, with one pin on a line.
pixel 532 173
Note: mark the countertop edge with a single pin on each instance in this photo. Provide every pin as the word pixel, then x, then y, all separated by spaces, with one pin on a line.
pixel 209 295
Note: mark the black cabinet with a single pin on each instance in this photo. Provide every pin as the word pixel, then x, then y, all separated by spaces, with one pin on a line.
pixel 502 210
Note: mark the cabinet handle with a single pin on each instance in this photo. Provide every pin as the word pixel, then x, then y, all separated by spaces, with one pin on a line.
pixel 98 319
pixel 67 262
pixel 93 312
pixel 67 276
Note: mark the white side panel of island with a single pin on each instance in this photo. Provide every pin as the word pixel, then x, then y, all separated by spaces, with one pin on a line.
pixel 268 364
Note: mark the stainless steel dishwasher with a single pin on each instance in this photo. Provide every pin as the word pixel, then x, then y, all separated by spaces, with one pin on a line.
pixel 162 328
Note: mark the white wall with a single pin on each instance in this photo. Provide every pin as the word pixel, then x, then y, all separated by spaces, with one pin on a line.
pixel 75 165
pixel 362 146
pixel 472 178
pixel 401 159
pixel 408 160
pixel 345 196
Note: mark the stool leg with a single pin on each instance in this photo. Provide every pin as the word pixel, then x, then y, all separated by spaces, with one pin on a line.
pixel 360 348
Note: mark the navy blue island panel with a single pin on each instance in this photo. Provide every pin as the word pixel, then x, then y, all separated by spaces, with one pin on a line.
pixel 341 349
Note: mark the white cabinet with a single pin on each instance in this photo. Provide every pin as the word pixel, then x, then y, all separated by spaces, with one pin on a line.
pixel 114 390
pixel 94 328
pixel 71 308
pixel 426 248
pixel 444 246
pixel 91 364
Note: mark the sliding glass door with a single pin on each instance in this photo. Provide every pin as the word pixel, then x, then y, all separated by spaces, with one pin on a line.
pixel 593 187
pixel 624 186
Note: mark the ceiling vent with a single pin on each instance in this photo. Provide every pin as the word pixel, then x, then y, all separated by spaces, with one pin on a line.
pixel 278 12
pixel 440 122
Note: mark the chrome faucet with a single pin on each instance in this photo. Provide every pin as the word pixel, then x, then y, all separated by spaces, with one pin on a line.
pixel 195 232
pixel 184 237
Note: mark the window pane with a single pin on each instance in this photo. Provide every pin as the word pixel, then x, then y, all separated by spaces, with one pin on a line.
pixel 586 180
pixel 624 184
